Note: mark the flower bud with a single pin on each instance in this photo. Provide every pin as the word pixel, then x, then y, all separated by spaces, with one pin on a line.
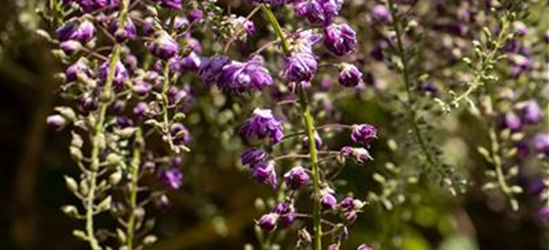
pixel 195 15
pixel 541 144
pixel 381 13
pixel 164 46
pixel 296 178
pixel 56 122
pixel 70 47
pixel 363 134
pixel 268 222
pixel 350 75
pixel 328 201
pixel 171 4
pixel 171 178
pixel 71 184
pixel 364 247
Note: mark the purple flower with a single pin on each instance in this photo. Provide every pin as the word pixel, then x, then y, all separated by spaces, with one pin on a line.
pixel 328 201
pixel 364 247
pixel 296 178
pixel 512 122
pixel 381 13
pixel 191 62
pixel 541 143
pixel 195 15
pixel 300 67
pixel 164 46
pixel 318 12
pixel 546 37
pixel 120 73
pixel 170 4
pixel 142 88
pixel 70 47
pixel 79 68
pixel 531 112
pixel 171 178
pixel 340 39
pixel 264 172
pixel 82 32
pixel 253 156
pixel 238 77
pixel 180 134
pixel 262 124
pixel 363 134
pixel 268 222
pixel 129 31
pixel 210 69
pixel 360 155
pixel 93 5
pixel 56 122
pixel 287 214
pixel 140 109
pixel 350 75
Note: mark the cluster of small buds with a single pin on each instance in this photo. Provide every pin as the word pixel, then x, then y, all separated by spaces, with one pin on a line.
pixel 122 93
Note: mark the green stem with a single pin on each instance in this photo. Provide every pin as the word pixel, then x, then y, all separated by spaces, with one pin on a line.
pixel 98 138
pixel 310 129
pixel 309 124
pixel 412 116
pixel 485 65
pixel 134 186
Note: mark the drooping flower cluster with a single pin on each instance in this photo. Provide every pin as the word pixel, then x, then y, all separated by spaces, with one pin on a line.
pixel 123 93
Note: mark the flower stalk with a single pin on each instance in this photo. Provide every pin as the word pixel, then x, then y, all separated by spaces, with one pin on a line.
pixel 98 137
pixel 310 130
pixel 136 162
